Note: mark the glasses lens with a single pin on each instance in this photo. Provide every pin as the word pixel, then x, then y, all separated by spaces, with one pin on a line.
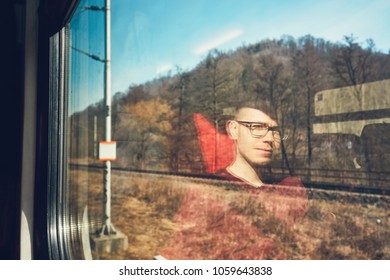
pixel 259 130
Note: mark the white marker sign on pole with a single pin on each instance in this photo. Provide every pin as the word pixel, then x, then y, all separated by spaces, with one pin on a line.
pixel 107 150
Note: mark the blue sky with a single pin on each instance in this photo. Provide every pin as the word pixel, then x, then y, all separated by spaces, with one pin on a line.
pixel 151 37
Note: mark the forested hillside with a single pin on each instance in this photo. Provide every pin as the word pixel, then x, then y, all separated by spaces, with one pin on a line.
pixel 153 122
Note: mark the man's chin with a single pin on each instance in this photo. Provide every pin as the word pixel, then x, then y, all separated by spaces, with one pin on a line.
pixel 262 161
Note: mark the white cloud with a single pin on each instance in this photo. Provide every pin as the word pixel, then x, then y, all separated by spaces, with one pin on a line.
pixel 163 68
pixel 218 41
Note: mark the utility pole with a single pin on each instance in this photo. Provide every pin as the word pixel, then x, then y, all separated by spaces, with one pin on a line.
pixel 107 227
pixel 107 147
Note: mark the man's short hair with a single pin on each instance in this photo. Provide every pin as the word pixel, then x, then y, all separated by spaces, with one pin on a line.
pixel 263 106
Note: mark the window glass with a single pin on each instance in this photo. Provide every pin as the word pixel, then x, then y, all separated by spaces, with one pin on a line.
pixel 240 129
pixel 85 127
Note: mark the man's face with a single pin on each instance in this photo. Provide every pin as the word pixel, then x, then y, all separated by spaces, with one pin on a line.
pixel 254 150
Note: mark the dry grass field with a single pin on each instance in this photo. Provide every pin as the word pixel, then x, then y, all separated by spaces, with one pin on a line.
pixel 191 219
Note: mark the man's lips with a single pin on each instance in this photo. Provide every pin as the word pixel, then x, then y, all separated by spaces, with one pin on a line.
pixel 264 150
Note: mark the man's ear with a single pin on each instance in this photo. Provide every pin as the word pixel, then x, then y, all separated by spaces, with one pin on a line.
pixel 232 129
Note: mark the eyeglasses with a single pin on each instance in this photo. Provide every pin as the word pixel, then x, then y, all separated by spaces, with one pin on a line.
pixel 259 130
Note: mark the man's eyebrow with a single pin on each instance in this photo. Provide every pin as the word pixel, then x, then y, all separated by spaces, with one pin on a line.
pixel 260 123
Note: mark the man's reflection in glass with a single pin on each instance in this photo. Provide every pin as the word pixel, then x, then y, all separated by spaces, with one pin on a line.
pixel 255 220
pixel 256 137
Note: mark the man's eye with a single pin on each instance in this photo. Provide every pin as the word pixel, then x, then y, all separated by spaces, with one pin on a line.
pixel 259 126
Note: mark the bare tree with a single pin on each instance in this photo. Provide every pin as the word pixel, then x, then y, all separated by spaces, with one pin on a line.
pixel 178 95
pixel 273 85
pixel 148 128
pixel 353 64
pixel 309 77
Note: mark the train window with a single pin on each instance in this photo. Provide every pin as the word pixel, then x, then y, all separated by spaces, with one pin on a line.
pixel 223 137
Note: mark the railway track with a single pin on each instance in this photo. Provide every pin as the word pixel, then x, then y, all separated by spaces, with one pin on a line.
pixel 312 187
